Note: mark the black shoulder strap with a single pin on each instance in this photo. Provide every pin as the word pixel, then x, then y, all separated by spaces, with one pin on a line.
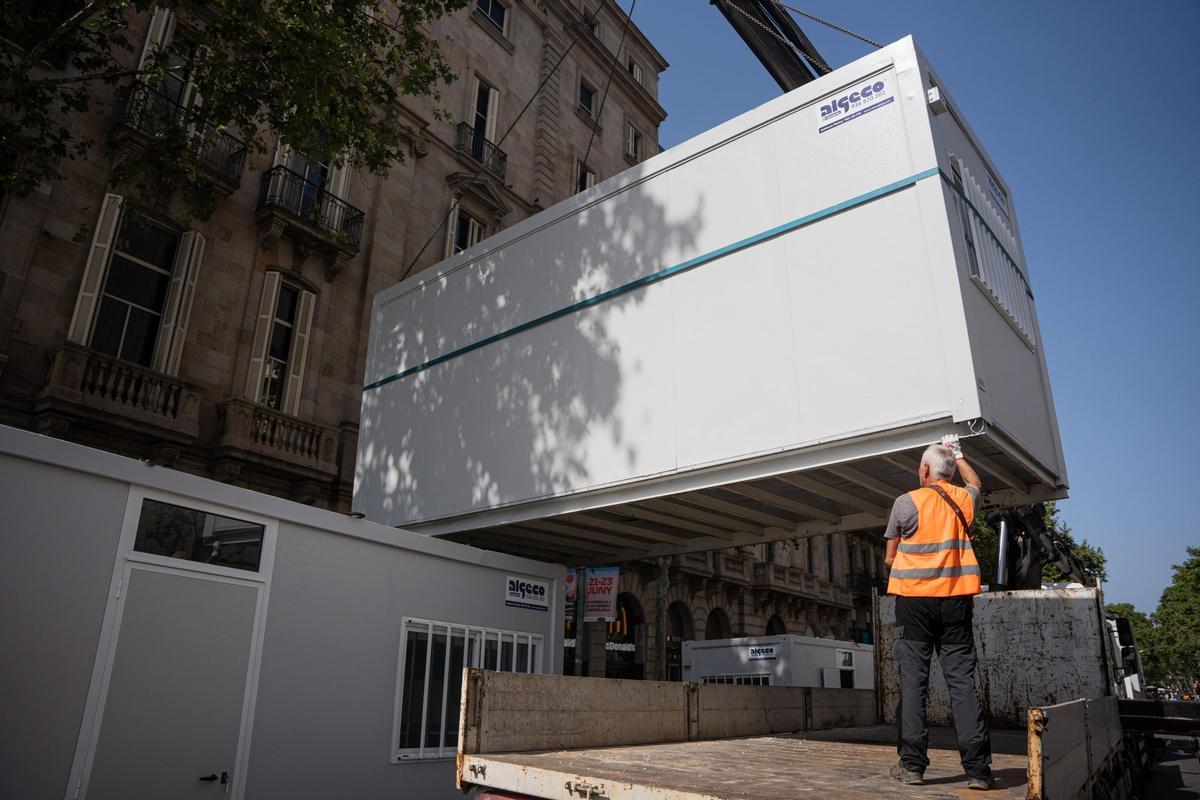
pixel 957 511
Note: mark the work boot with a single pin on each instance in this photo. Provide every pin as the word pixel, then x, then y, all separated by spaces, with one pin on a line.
pixel 907 776
pixel 981 783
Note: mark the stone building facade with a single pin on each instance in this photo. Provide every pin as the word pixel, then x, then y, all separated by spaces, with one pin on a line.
pixel 234 346
pixel 819 586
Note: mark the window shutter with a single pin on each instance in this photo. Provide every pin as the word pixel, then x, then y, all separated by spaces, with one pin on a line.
pixel 493 114
pixel 178 310
pixel 453 228
pixel 162 25
pixel 262 333
pixel 299 354
pixel 93 271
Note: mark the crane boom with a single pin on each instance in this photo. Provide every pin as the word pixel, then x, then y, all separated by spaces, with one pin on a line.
pixel 762 24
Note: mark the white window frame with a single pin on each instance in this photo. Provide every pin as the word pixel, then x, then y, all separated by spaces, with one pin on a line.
pixel 477 233
pixel 177 307
pixel 493 109
pixel 507 14
pixel 635 142
pixel 535 654
pixel 589 176
pixel 588 112
pixel 301 336
pixel 635 70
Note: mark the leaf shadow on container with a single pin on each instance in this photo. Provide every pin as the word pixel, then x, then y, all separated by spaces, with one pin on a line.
pixel 541 411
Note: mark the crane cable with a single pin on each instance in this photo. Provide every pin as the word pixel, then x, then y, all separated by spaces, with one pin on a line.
pixel 787 43
pixel 462 190
pixel 828 24
pixel 608 83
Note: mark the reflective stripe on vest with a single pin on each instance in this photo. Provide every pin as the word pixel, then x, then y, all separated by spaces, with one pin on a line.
pixel 937 560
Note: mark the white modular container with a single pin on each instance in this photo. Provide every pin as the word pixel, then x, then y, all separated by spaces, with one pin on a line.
pixel 785 660
pixel 836 276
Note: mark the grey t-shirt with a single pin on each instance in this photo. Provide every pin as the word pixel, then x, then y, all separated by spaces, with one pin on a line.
pixel 903 520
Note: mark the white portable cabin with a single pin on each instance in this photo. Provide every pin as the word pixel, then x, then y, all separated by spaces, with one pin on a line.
pixel 166 635
pixel 750 336
pixel 784 660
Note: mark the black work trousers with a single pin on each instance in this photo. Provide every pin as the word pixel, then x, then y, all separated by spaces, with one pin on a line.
pixel 942 625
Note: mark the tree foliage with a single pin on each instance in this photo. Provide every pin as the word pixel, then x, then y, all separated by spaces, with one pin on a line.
pixel 326 75
pixel 1177 622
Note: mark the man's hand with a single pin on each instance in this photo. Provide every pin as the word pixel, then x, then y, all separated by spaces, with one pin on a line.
pixel 951 440
pixel 969 475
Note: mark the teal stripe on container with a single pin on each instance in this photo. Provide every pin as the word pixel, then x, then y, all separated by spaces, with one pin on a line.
pixel 661 275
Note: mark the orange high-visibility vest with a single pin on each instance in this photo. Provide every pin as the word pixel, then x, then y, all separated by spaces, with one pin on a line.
pixel 937 560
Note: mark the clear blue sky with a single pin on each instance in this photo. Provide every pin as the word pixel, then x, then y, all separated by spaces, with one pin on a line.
pixel 1092 112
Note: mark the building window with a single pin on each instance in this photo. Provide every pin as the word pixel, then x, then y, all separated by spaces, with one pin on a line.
pixel 280 344
pixel 484 112
pixel 633 142
pixel 584 177
pixel 432 658
pixel 465 231
pixel 135 291
pixel 496 13
pixel 635 70
pixel 169 530
pixel 279 348
pixel 809 554
pixel 587 99
pixel 592 24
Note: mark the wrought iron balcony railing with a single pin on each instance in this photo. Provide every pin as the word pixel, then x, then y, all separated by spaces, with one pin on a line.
pixel 151 113
pixel 291 193
pixel 474 144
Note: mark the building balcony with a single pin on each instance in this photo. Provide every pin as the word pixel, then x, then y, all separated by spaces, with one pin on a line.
pixel 268 438
pixel 82 383
pixel 479 148
pixel 149 115
pixel 315 219
pixel 694 568
pixel 731 567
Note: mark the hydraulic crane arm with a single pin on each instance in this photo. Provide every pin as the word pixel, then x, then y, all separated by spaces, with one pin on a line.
pixel 765 27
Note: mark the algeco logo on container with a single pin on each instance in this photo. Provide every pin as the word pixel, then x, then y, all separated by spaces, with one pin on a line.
pixel 526 593
pixel 763 653
pixel 853 104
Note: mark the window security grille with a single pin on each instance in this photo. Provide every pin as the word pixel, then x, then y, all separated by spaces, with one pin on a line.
pixel 432 658
pixel 738 679
pixel 990 248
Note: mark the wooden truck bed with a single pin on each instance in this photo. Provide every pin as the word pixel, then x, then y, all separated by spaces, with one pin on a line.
pixel 848 763
pixel 564 738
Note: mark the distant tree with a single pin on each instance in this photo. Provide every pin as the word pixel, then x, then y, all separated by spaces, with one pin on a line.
pixel 1178 621
pixel 1146 637
pixel 325 75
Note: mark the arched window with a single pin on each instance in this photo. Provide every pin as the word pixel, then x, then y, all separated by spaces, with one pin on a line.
pixel 717 626
pixel 776 626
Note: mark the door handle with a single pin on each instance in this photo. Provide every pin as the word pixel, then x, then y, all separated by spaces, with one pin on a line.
pixel 208 778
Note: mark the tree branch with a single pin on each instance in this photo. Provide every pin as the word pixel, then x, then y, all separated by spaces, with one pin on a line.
pixel 99 76
pixel 69 26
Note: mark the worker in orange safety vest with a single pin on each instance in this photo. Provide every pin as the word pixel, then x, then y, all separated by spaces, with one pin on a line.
pixel 935 576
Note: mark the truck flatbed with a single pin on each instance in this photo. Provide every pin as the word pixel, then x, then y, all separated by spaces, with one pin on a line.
pixel 846 763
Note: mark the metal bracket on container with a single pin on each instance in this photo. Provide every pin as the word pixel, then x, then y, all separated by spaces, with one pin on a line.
pixel 586 790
